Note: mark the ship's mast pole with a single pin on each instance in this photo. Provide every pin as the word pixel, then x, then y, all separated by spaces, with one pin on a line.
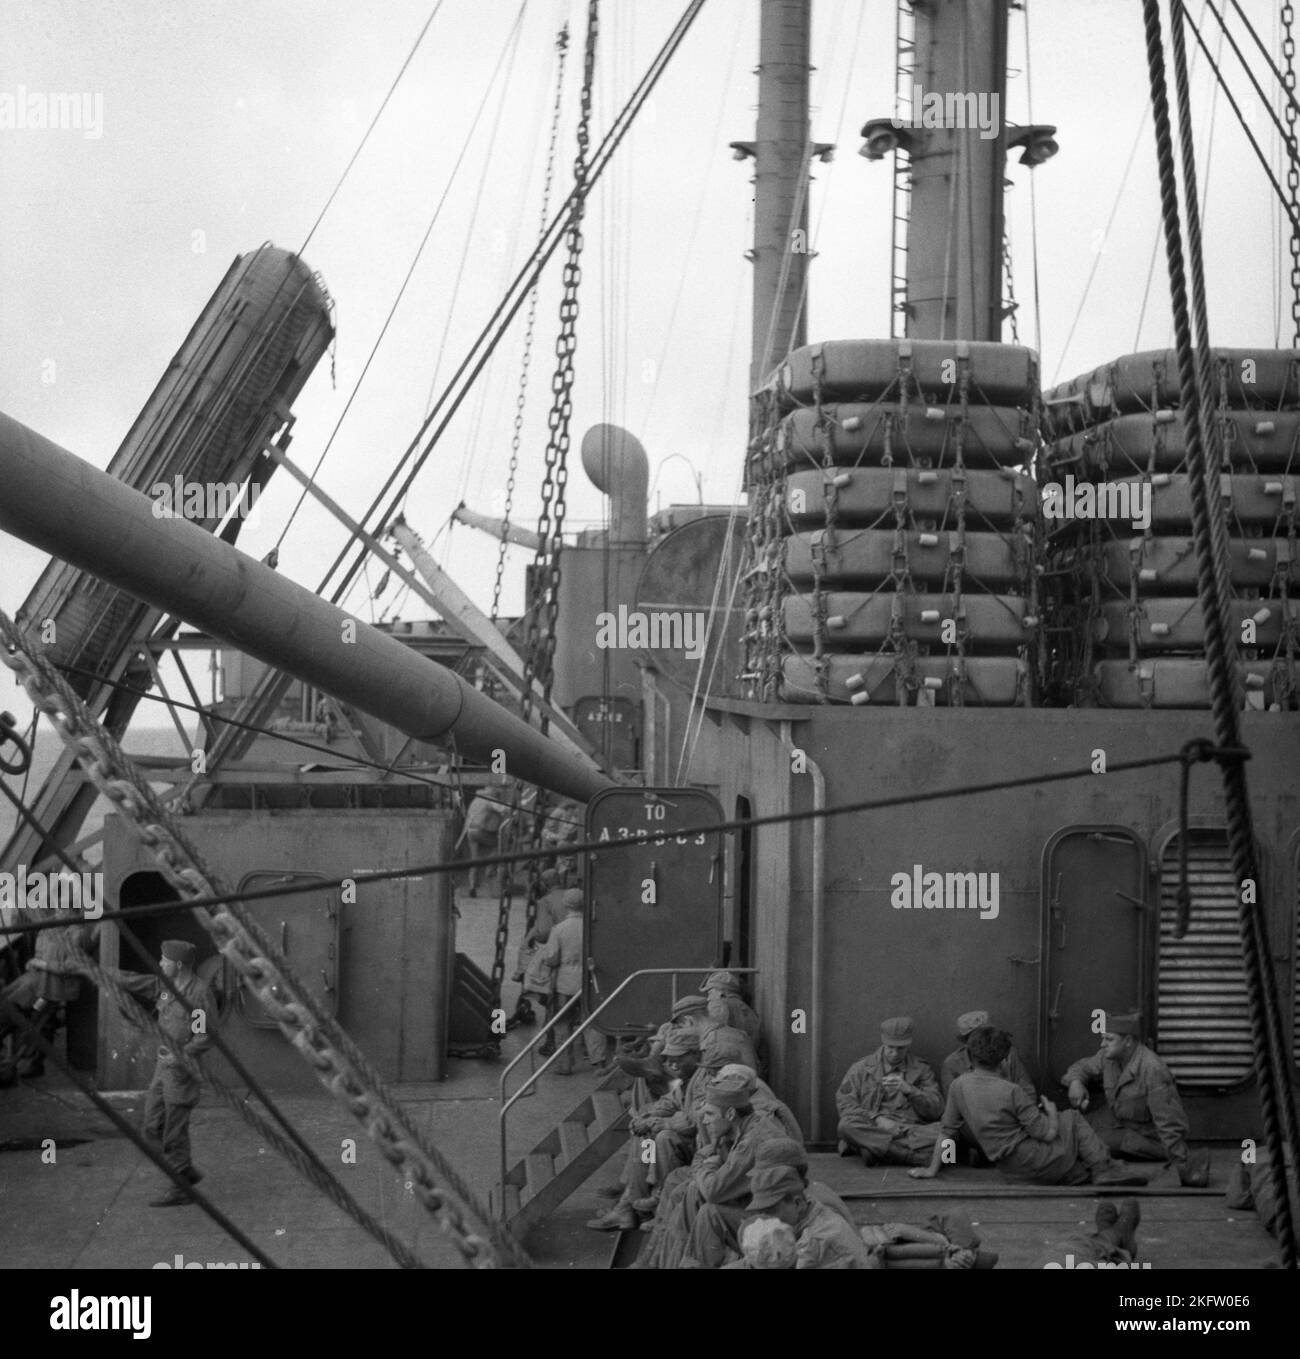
pixel 954 244
pixel 782 151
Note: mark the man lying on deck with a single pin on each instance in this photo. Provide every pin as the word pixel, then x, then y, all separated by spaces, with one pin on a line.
pixel 1026 1143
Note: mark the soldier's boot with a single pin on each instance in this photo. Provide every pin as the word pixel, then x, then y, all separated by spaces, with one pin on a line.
pixel 1117 1225
pixel 1194 1173
pixel 1238 1190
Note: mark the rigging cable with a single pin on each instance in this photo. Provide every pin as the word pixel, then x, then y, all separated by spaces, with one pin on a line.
pixel 690 742
pixel 293 1147
pixel 401 292
pixel 530 321
pixel 1292 212
pixel 1033 194
pixel 1212 587
pixel 273 683
pixel 366 136
pixel 512 43
pixel 596 846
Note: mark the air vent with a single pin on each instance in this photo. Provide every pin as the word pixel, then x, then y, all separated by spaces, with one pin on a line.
pixel 1202 1019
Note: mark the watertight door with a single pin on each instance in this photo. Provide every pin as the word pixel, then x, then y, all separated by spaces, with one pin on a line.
pixel 654 897
pixel 1094 939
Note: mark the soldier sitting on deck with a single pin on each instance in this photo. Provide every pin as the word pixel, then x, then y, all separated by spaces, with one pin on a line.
pixel 1144 1119
pixel 888 1102
pixel 654 1138
pixel 703 1205
pixel 727 1007
pixel 1035 1144
pixel 824 1240
pixel 958 1063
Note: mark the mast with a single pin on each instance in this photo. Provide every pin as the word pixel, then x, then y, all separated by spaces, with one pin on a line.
pixel 954 246
pixel 782 149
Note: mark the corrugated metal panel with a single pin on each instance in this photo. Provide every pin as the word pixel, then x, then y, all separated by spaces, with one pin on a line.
pixel 1202 1022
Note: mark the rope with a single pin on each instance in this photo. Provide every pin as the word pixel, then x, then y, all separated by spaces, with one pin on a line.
pixel 293 1148
pixel 338 1062
pixel 401 291
pixel 133 1134
pixel 1275 1095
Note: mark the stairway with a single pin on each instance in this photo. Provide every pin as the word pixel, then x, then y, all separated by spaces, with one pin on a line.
pixel 567 1156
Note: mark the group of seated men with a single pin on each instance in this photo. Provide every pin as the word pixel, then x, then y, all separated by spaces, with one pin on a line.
pixel 716 1172
pixel 893 1110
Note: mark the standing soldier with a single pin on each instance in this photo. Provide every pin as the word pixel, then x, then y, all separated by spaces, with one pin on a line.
pixel 1144 1119
pixel 483 827
pixel 184 1017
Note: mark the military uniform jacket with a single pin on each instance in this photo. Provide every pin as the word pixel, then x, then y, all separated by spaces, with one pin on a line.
pixel 862 1091
pixel 1012 1069
pixel 563 953
pixel 724 1178
pixel 828 1241
pixel 997 1112
pixel 1139 1093
pixel 176 1018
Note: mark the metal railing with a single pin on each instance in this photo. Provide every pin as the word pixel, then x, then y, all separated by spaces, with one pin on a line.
pixel 538 1072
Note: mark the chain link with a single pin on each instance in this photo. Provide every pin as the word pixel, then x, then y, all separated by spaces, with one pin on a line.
pixel 516 437
pixel 539 660
pixel 550 525
pixel 1287 15
pixel 339 1064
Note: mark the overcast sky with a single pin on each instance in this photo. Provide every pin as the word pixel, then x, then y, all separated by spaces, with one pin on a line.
pixel 227 124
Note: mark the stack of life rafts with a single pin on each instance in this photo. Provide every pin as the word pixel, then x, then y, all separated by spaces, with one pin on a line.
pixel 899 563
pixel 1118 547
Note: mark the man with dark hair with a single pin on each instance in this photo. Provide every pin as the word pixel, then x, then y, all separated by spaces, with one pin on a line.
pixel 958 1062
pixel 1026 1143
pixel 1144 1118
pixel 888 1102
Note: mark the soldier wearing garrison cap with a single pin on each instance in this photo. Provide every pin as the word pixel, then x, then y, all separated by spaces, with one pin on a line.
pixel 702 1205
pixel 958 1063
pixel 659 1141
pixel 824 1239
pixel 726 1006
pixel 1144 1118
pixel 889 1102
pixel 185 1015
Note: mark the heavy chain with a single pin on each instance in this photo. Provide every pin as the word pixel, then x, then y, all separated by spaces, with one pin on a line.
pixel 310 1168
pixel 339 1064
pixel 1293 162
pixel 516 437
pixel 550 525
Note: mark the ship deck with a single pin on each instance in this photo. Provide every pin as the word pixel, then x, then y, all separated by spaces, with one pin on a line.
pixel 91 1208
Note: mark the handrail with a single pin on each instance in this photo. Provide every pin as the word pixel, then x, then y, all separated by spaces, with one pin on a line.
pixel 507 1104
